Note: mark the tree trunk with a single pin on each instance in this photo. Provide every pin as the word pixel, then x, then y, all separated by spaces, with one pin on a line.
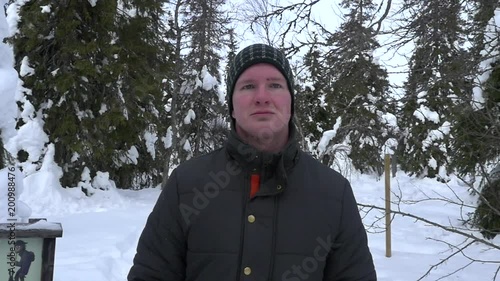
pixel 175 95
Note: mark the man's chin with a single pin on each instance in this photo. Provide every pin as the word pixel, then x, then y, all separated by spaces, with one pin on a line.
pixel 263 130
pixel 267 133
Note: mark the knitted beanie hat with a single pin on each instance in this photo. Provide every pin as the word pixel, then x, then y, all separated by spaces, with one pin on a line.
pixel 254 54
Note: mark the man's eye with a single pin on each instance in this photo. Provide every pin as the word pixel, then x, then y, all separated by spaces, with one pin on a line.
pixel 276 86
pixel 247 87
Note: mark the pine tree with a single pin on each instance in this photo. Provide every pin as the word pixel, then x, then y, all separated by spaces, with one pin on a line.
pixel 359 95
pixel 173 87
pixel 97 85
pixel 143 38
pixel 232 46
pixel 204 125
pixel 477 129
pixel 437 79
pixel 313 114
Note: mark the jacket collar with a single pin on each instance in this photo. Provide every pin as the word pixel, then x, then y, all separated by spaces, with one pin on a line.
pixel 273 167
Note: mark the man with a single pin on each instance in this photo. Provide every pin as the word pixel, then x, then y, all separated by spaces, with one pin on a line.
pixel 258 208
pixel 24 263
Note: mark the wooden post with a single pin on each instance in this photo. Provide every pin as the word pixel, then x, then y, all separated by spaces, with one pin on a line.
pixel 394 163
pixel 388 250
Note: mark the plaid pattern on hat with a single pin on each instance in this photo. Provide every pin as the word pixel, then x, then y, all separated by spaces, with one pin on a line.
pixel 254 54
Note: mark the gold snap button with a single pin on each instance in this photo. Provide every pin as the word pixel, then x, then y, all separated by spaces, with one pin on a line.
pixel 247 270
pixel 251 218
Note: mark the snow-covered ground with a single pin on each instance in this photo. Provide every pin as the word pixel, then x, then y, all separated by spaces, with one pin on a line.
pixel 100 233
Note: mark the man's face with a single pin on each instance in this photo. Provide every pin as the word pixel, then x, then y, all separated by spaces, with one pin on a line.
pixel 17 248
pixel 261 101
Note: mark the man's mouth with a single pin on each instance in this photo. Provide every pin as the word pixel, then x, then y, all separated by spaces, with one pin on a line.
pixel 262 113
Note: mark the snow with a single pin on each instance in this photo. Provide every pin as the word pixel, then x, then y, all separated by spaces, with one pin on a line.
pixel 477 93
pixel 86 183
pixel 42 224
pixel 189 116
pixel 424 113
pixel 491 37
pixel 8 83
pixel 151 138
pixel 390 119
pixel 45 9
pixel 308 85
pixel 102 181
pixel 30 138
pixel 75 156
pixel 13 14
pixel 93 2
pixel 131 156
pixel 443 174
pixel 435 135
pixel 328 136
pixel 432 163
pixel 167 139
pixel 122 99
pixel 321 99
pixel 209 82
pixel 389 146
pixel 26 70
pixel 132 12
pixel 103 109
pixel 422 95
pixel 187 146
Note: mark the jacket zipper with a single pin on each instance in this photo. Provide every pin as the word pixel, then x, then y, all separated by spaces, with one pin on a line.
pixel 246 192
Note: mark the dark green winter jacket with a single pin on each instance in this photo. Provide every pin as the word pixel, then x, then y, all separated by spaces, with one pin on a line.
pixel 303 223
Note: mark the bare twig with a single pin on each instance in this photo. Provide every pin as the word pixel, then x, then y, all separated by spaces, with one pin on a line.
pixel 379 22
pixel 449 229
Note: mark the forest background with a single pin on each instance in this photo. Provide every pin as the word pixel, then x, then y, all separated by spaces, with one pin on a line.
pixel 118 93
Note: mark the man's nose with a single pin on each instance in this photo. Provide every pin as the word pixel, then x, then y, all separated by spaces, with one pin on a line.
pixel 262 95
